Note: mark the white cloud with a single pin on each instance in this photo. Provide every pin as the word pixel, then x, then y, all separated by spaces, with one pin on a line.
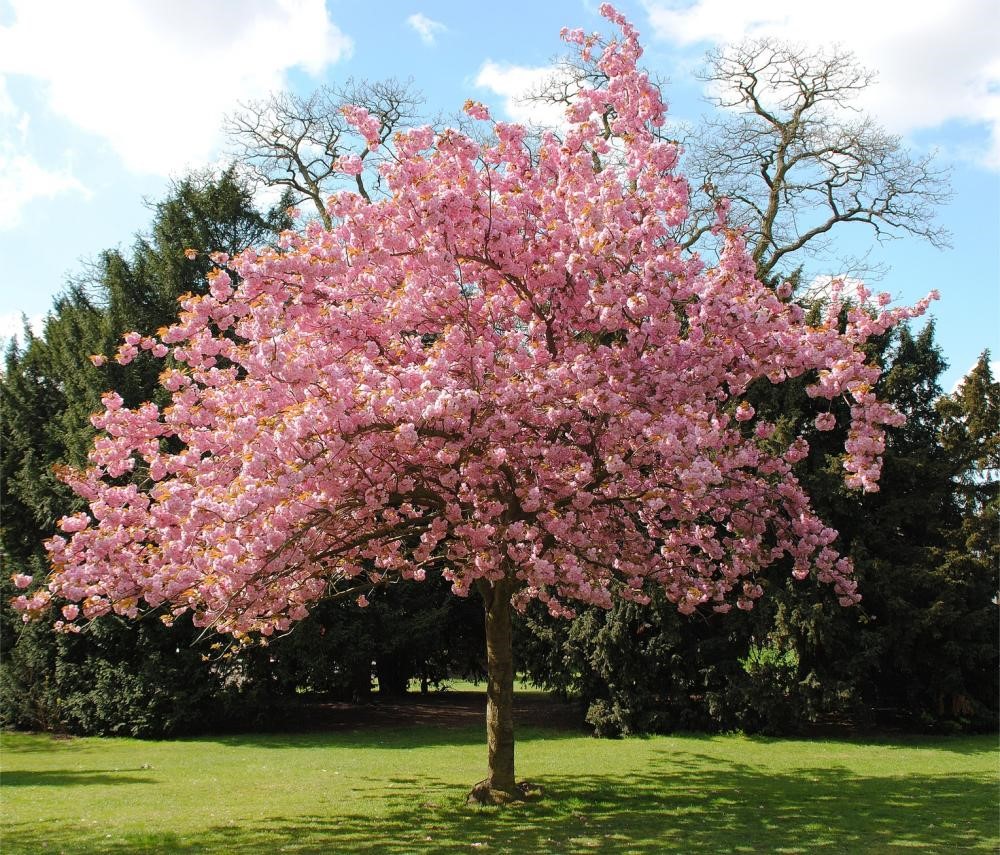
pixel 154 79
pixel 425 27
pixel 937 62
pixel 12 325
pixel 7 108
pixel 22 177
pixel 514 83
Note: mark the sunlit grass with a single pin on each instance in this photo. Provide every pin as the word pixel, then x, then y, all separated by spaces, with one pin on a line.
pixel 403 790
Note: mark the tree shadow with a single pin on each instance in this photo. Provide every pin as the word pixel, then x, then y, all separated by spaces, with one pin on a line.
pixel 451 718
pixel 68 777
pixel 359 739
pixel 29 743
pixel 676 804
pixel 964 745
pixel 426 736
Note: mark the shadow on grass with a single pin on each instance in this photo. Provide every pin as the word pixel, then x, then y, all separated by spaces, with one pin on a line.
pixel 375 738
pixel 68 778
pixel 676 804
pixel 445 717
pixel 968 746
pixel 19 742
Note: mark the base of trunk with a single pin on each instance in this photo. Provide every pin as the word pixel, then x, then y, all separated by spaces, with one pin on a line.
pixel 484 794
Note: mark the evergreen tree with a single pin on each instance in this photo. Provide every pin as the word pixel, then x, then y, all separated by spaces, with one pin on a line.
pixel 115 677
pixel 970 559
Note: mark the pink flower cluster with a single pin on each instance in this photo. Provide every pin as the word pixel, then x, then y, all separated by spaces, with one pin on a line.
pixel 366 124
pixel 504 369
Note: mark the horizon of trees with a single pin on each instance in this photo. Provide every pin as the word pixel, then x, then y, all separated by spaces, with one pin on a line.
pixel 926 645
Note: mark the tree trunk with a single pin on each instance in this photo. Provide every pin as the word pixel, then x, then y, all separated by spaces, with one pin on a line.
pixel 499 785
pixel 392 673
pixel 361 682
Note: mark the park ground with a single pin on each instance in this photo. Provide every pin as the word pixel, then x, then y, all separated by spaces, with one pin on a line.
pixel 392 778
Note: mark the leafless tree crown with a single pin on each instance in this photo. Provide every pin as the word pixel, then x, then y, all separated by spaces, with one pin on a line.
pixel 291 141
pixel 795 157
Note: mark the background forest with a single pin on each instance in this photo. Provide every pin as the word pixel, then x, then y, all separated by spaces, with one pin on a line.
pixel 920 653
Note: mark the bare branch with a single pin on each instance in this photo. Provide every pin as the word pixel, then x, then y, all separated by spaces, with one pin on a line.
pixel 797 159
pixel 291 141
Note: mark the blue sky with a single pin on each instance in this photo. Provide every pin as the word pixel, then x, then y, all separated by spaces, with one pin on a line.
pixel 101 103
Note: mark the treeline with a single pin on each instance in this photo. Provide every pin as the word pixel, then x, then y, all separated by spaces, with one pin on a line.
pixel 145 679
pixel 920 652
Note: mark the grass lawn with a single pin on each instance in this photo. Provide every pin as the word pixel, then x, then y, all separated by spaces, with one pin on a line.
pixel 402 789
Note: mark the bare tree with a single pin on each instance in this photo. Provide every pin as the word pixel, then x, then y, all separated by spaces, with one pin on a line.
pixel 291 141
pixel 795 157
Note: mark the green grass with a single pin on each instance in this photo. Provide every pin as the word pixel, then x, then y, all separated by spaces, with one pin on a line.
pixel 402 790
pixel 522 686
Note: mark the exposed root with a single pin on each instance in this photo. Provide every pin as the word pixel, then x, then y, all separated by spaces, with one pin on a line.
pixel 484 794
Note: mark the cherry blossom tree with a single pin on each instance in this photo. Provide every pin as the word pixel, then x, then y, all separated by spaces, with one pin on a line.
pixel 505 372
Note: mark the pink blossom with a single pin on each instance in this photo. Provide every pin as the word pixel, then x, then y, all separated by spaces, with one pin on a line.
pixel 77 522
pixel 112 400
pixel 221 285
pixel 722 208
pixel 476 110
pixel 826 421
pixel 366 124
pixel 126 353
pixel 21 580
pixel 349 164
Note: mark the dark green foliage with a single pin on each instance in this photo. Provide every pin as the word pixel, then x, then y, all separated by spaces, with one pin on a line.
pixel 632 665
pixel 115 677
pixel 143 679
pixel 410 632
pixel 642 669
pixel 970 558
pixel 922 649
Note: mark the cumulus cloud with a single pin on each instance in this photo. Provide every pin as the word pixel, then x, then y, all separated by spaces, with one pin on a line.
pixel 426 28
pixel 22 177
pixel 514 83
pixel 937 62
pixel 154 79
pixel 12 325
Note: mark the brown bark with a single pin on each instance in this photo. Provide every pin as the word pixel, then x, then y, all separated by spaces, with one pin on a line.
pixel 499 784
